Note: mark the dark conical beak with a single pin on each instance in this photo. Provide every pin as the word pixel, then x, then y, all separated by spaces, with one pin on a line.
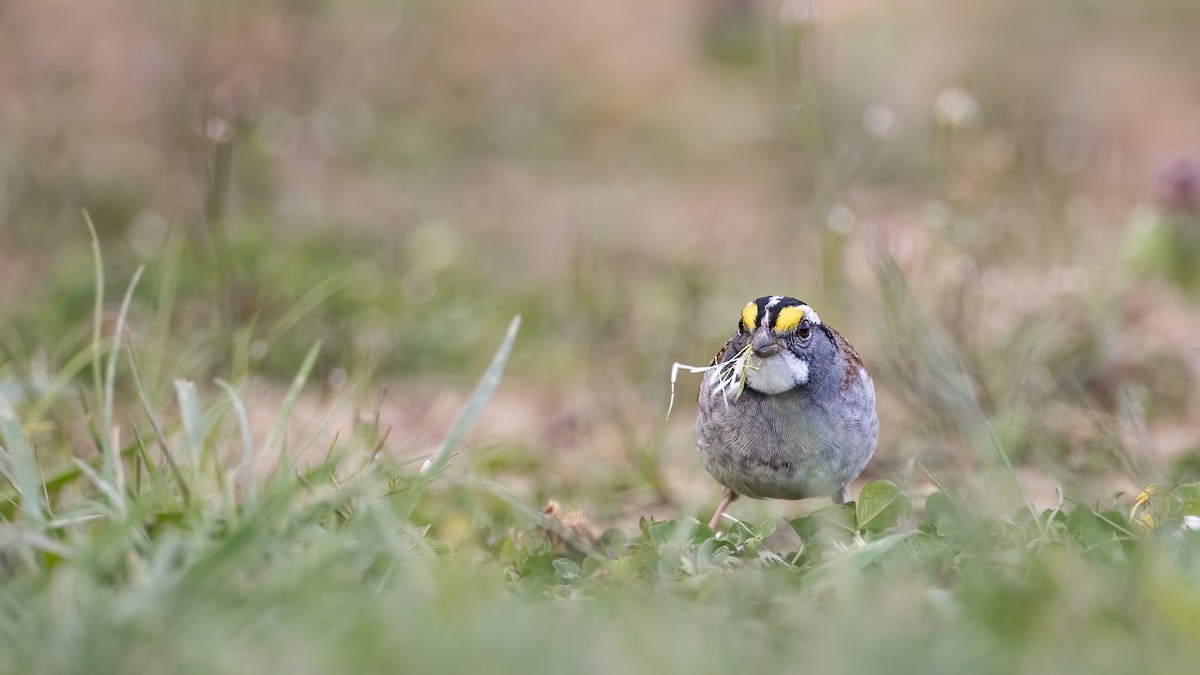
pixel 765 344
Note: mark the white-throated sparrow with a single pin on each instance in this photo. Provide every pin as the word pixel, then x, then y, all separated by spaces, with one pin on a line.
pixel 789 410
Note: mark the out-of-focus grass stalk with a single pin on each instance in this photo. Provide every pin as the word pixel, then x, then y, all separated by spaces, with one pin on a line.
pixel 110 378
pixel 285 411
pixel 168 289
pixel 157 427
pixel 949 388
pixel 97 309
pixel 239 408
pixel 26 473
pixel 483 392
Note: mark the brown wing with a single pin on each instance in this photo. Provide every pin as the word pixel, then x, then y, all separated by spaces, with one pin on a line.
pixel 724 353
pixel 853 362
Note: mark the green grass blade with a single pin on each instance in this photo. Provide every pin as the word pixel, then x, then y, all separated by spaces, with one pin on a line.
pixel 1012 475
pixel 110 379
pixel 158 484
pixel 97 307
pixel 164 306
pixel 110 491
pixel 289 402
pixel 312 299
pixel 55 481
pixel 65 376
pixel 239 409
pixel 192 419
pixel 5 467
pixel 139 383
pixel 483 392
pixel 25 467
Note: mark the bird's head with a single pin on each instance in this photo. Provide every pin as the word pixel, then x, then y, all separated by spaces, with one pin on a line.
pixel 780 332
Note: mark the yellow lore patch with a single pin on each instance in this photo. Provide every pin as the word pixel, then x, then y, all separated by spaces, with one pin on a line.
pixel 789 318
pixel 750 316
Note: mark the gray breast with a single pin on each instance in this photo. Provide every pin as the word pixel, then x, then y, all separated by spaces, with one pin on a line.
pixel 807 442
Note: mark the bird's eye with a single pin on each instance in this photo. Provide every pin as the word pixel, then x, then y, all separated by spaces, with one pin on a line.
pixel 804 330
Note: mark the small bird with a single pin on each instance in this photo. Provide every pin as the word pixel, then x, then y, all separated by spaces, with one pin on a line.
pixel 787 410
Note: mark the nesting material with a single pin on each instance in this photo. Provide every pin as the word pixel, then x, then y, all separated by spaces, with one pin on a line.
pixel 731 376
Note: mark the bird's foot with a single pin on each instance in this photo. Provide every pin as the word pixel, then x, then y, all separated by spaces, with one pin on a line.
pixel 730 495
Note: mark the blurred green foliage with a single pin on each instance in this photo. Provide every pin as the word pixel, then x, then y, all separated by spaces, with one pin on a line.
pixel 322 568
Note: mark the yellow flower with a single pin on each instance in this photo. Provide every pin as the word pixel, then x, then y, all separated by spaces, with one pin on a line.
pixel 1153 504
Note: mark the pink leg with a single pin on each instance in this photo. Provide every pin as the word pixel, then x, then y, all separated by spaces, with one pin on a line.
pixel 725 502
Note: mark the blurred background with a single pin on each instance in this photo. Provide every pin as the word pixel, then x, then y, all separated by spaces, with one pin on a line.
pixel 997 202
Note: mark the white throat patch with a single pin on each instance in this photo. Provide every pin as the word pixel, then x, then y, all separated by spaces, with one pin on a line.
pixel 776 374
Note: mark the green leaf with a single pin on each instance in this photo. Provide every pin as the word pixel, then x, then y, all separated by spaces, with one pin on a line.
pixel 941 510
pixel 1086 526
pixel 763 530
pixel 880 506
pixel 838 519
pixel 677 533
pixel 661 534
pixel 1189 496
pixel 710 554
pixel 1119 522
pixel 592 563
pixel 567 569
pixel 930 553
pixel 1187 491
pixel 863 556
pixel 943 516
